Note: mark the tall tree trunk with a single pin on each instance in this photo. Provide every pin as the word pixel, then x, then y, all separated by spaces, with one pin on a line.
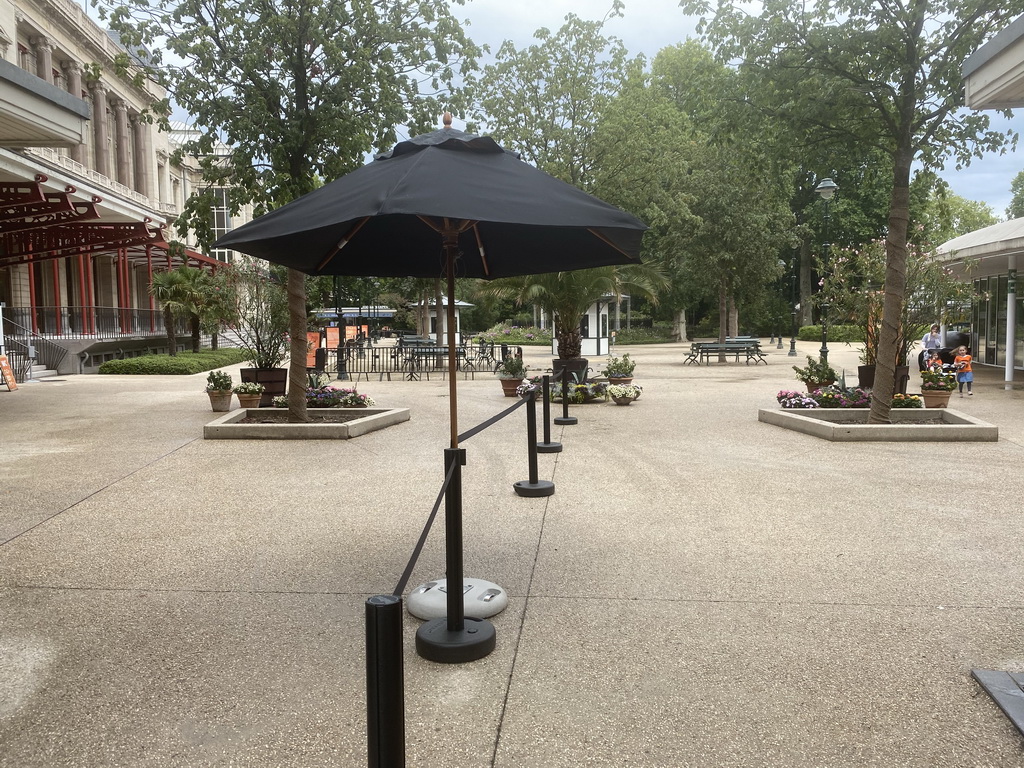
pixel 723 317
pixel 297 326
pixel 895 284
pixel 423 314
pixel 197 333
pixel 679 326
pixel 734 317
pixel 439 312
pixel 806 314
pixel 172 335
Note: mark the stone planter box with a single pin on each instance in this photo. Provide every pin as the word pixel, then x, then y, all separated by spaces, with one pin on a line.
pixel 909 425
pixel 227 427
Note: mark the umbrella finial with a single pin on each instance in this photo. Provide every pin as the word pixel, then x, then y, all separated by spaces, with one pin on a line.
pixel 447 119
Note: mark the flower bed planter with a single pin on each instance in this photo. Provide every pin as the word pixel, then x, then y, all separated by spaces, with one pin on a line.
pixel 351 422
pixel 909 425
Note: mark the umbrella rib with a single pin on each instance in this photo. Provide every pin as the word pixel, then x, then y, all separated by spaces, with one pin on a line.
pixel 605 240
pixel 480 247
pixel 342 243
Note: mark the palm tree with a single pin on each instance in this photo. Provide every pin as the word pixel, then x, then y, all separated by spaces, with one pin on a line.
pixel 567 296
pixel 167 288
pixel 195 296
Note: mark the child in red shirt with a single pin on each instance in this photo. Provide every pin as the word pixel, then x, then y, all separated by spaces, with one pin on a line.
pixel 964 374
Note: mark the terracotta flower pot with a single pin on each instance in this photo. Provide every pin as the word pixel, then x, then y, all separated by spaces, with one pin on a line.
pixel 220 399
pixel 508 386
pixel 935 398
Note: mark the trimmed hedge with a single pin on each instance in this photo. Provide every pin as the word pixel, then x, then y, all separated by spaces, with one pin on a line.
pixel 851 333
pixel 182 364
pixel 661 333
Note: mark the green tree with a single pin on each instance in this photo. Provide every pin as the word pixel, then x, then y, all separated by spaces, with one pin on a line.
pixel 1016 209
pixel 547 99
pixel 728 191
pixel 166 288
pixel 890 71
pixel 287 93
pixel 944 215
pixel 567 296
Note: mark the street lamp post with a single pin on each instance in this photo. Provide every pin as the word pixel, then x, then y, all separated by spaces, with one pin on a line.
pixel 796 308
pixel 826 189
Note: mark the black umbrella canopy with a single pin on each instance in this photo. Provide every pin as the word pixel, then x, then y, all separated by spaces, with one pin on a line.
pixel 386 218
pixel 447 204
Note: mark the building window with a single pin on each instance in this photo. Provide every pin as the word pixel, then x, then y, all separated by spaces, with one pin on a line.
pixel 220 211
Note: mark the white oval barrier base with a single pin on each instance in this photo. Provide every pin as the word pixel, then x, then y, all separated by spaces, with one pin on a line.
pixel 480 598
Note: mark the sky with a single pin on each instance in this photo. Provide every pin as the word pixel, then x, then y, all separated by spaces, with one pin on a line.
pixel 650 25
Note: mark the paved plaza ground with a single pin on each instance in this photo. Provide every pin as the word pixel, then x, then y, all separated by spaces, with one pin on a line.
pixel 701 590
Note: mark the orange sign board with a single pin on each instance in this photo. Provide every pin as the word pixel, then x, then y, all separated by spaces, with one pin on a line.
pixel 312 342
pixel 7 373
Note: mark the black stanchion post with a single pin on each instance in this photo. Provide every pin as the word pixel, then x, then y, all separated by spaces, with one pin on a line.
pixel 342 364
pixel 565 419
pixel 385 683
pixel 454 639
pixel 547 446
pixel 534 486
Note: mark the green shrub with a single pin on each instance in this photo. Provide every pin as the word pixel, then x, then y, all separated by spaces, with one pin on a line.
pixel 182 364
pixel 838 333
pixel 661 333
pixel 520 335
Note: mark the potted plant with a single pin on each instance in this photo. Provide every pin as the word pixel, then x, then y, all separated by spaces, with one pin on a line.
pixel 259 318
pixel 622 394
pixel 511 371
pixel 936 387
pixel 249 393
pixel 817 374
pixel 218 387
pixel 619 370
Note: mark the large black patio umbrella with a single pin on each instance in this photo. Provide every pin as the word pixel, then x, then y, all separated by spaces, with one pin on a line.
pixel 455 205
pixel 447 204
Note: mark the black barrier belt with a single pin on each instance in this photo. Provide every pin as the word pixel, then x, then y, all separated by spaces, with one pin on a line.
pixel 404 581
pixel 484 425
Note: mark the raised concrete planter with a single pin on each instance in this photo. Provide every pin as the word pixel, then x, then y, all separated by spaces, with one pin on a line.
pixel 850 425
pixel 369 420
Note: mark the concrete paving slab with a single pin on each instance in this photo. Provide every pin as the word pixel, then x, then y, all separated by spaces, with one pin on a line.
pixel 702 588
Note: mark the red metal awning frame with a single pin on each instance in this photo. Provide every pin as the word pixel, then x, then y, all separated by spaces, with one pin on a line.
pixel 36 226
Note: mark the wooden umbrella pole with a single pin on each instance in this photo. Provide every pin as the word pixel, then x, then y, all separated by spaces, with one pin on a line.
pixel 451 240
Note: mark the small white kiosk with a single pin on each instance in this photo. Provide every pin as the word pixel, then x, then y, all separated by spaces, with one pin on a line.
pixel 459 305
pixel 596 341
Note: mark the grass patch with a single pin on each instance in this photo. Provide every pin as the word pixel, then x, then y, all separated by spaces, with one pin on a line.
pixel 182 364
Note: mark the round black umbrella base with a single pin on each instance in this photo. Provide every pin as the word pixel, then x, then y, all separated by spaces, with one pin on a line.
pixel 435 642
pixel 540 488
pixel 549 447
pixel 560 420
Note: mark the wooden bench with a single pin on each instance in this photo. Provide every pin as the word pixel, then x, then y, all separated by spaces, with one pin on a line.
pixel 702 351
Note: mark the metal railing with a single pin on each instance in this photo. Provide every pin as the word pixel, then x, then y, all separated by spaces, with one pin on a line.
pixel 88 322
pixel 24 348
pixel 404 361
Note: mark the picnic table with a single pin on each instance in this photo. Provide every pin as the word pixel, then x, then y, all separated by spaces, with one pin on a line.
pixel 750 347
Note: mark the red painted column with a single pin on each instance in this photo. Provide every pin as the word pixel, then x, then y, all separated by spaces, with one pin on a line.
pixel 149 283
pixel 89 269
pixel 82 309
pixel 32 293
pixel 57 303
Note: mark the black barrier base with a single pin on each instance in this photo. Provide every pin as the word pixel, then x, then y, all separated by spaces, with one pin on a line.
pixel 435 642
pixel 540 488
pixel 565 420
pixel 549 447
